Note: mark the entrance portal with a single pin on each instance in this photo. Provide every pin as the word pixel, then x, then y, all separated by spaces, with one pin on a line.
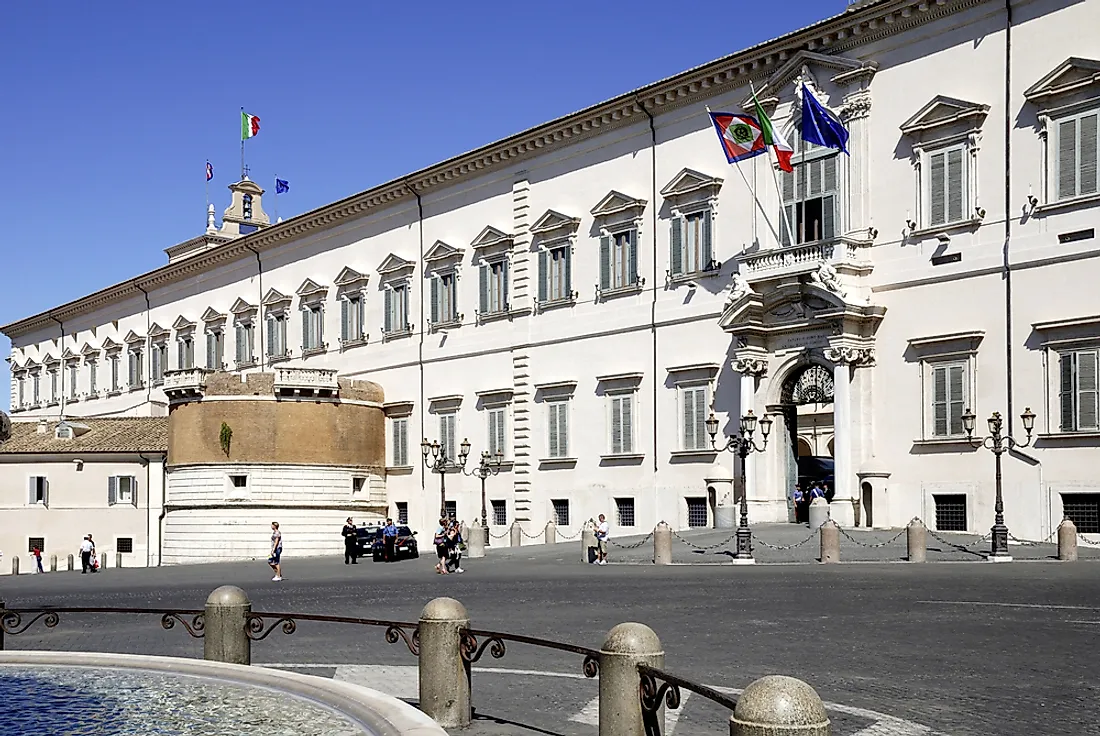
pixel 807 445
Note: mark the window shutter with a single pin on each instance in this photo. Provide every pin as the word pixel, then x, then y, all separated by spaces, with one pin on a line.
pixel 32 488
pixel 816 170
pixel 616 425
pixel 567 253
pixel 937 196
pixel 345 316
pixel 181 355
pixel 307 325
pixel 483 287
pixel 45 491
pixel 828 216
pixel 956 391
pixel 1088 158
pixel 676 248
pixel 1086 390
pixel 708 249
pixel 388 320
pixel 1067 158
pixel 241 355
pixel 403 443
pixel 1066 395
pixel 956 186
pixel 112 490
pixel 700 418
pixel 134 490
pixel 270 335
pixel 789 217
pixel 552 430
pixel 211 350
pixel 544 274
pixel 939 402
pixel 563 429
pixel 605 262
pixel 436 283
pixel 500 440
pixel 632 259
pixel 360 318
pixel 627 423
pixel 492 431
pixel 504 270
pixel 687 397
pixel 829 183
pixel 158 370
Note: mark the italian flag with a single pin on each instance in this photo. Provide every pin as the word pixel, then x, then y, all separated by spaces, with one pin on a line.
pixel 250 126
pixel 773 137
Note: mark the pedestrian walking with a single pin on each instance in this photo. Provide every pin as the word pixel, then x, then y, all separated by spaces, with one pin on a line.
pixel 603 535
pixel 440 542
pixel 95 558
pixel 351 543
pixel 454 548
pixel 38 559
pixel 85 555
pixel 389 541
pixel 275 559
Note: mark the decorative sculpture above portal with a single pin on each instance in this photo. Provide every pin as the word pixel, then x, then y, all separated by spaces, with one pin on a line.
pixel 738 287
pixel 827 277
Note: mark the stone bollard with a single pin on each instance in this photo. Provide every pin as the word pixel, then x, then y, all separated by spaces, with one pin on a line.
pixel 1067 541
pixel 818 512
pixel 225 637
pixel 463 530
pixel 53 563
pixel 550 534
pixel 71 568
pixel 627 645
pixel 118 560
pixel 516 535
pixel 588 542
pixel 830 542
pixel 15 565
pixel 916 538
pixel 662 544
pixel 444 674
pixel 777 704
pixel 475 543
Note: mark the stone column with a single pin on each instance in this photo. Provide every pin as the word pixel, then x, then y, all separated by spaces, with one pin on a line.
pixel 750 368
pixel 475 543
pixel 588 541
pixel 1067 541
pixel 662 544
pixel 516 534
pixel 843 505
pixel 916 541
pixel 444 674
pixel 225 637
pixel 550 533
pixel 627 645
pixel 53 563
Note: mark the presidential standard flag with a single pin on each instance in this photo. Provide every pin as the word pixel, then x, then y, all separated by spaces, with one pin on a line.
pixel 282 186
pixel 250 126
pixel 821 126
pixel 740 135
pixel 209 171
pixel 772 137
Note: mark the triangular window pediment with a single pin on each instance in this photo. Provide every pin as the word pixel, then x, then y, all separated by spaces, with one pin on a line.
pixel 840 70
pixel 212 315
pixel 615 203
pixel 182 323
pixel 274 296
pixel 310 287
pixel 110 344
pixel 394 263
pixel 88 351
pixel 489 237
pixel 942 111
pixel 349 276
pixel 69 355
pixel 156 330
pixel 441 251
pixel 49 361
pixel 1072 75
pixel 132 337
pixel 552 220
pixel 241 307
pixel 688 181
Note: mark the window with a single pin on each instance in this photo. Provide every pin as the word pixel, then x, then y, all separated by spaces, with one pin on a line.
pixel 244 343
pixel 38 490
pixel 1083 509
pixel 494 287
pixel 136 374
pixel 215 349
pixel 444 298
pixel 697 511
pixel 246 206
pixel 1078 390
pixel 949 398
pixel 73 376
pixel 399 441
pixel 622 423
pixel 186 352
pixel 351 318
pixel 950 512
pixel 113 360
pixel 238 481
pixel 21 387
pixel 556 274
pixel 125 545
pixel 693 409
pixel 36 388
pixel 561 511
pixel 497 437
pixel 500 513
pixel 158 361
pixel 947 186
pixel 92 388
pixel 313 326
pixel 619 260
pixel 809 193
pixel 276 335
pixel 625 509
pixel 1076 162
pixel 557 413
pixel 122 489
pixel 54 393
pixel 690 238
pixel 34 543
pixel 451 509
pixel 397 308
pixel 448 426
pixel 358 484
pixel 402 512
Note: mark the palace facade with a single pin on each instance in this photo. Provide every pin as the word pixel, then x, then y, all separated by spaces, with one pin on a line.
pixel 580 297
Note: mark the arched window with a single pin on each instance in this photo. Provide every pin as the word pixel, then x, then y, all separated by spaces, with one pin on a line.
pixel 247 206
pixel 810 192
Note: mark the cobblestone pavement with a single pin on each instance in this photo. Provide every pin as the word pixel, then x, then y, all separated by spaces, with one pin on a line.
pixel 897 649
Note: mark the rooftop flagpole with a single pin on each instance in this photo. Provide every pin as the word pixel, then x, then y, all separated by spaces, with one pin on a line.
pixel 276 198
pixel 242 143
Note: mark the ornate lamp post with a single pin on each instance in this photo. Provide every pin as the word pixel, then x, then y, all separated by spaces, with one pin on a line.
pixel 488 465
pixel 436 460
pixel 743 445
pixel 999 443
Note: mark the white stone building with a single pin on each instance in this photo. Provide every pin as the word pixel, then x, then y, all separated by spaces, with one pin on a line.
pixel 581 295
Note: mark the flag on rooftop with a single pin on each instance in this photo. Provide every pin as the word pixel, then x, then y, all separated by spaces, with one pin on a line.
pixel 282 186
pixel 250 126
pixel 740 135
pixel 821 126
pixel 209 171
pixel 773 137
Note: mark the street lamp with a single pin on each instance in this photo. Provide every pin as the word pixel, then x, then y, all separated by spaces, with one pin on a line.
pixel 488 465
pixel 436 460
pixel 999 443
pixel 743 445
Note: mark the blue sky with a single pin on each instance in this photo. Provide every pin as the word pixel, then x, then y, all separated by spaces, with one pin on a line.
pixel 111 110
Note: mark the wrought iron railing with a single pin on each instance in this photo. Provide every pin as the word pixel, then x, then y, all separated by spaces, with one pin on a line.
pixel 656 687
pixel 494 641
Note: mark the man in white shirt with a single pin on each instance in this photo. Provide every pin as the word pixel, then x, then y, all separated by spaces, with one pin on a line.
pixel 85 555
pixel 603 534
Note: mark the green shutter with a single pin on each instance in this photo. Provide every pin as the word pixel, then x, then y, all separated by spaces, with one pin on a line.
pixel 939 402
pixel 788 217
pixel 707 249
pixel 567 253
pixel 1067 395
pixel 828 216
pixel 605 262
pixel 1067 159
pixel 627 410
pixel 500 440
pixel 307 327
pixel 552 430
pixel 937 188
pixel 687 397
pixel 388 319
pixel 504 269
pixel 484 271
pixel 616 425
pixel 544 274
pixel 829 178
pixel 1087 390
pixel 112 490
pixel 956 186
pixel 1088 157
pixel 632 259
pixel 345 333
pixel 437 290
pixel 956 390
pixel 676 244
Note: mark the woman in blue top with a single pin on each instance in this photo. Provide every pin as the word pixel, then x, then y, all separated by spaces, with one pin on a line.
pixel 276 551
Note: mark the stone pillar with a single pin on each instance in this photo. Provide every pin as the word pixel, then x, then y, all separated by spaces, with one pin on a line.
pixel 118 560
pixel 225 637
pixel 550 534
pixel 516 534
pixel 1067 541
pixel 588 541
pixel 830 542
pixel 102 558
pixel 627 645
pixel 53 563
pixel 463 530
pixel 916 538
pixel 779 705
pixel 475 543
pixel 444 674
pixel 662 544
pixel 844 496
pixel 15 564
pixel 818 513
pixel 71 564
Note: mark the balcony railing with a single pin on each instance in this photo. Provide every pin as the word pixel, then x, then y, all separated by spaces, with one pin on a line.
pixel 187 380
pixel 306 380
pixel 841 253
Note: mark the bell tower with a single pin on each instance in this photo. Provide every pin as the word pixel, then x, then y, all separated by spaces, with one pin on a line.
pixel 245 213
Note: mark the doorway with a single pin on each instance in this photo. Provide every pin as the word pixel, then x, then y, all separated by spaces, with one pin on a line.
pixel 807 410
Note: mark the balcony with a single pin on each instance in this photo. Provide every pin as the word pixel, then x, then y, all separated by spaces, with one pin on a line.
pixel 844 254
pixel 306 382
pixel 185 384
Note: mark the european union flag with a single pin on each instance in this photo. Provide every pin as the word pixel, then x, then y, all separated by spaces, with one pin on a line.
pixel 820 126
pixel 281 186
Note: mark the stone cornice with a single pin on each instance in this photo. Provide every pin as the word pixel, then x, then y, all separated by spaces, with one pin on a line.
pixel 858 25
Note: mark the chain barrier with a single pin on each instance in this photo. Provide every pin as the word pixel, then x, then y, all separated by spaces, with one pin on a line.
pixel 631 546
pixel 538 535
pixel 573 536
pixel 723 543
pixel 893 539
pixel 783 547
pixel 1029 543
pixel 956 545
pixel 500 536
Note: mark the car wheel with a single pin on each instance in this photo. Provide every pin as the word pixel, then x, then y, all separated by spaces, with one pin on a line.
pixel 377 558
pixel 415 554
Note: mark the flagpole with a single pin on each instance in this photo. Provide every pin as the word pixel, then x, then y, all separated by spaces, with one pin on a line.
pixel 276 198
pixel 752 191
pixel 207 178
pixel 778 190
pixel 242 144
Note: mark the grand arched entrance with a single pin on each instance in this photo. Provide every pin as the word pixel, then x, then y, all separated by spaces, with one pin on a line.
pixel 806 442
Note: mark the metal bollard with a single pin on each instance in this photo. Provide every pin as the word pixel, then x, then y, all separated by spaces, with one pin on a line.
pixel 118 560
pixel 627 645
pixel 444 674
pixel 15 565
pixel 71 568
pixel 475 543
pixel 516 534
pixel 662 544
pixel 588 543
pixel 1067 541
pixel 830 542
pixel 550 534
pixel 777 704
pixel 916 539
pixel 53 563
pixel 225 637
